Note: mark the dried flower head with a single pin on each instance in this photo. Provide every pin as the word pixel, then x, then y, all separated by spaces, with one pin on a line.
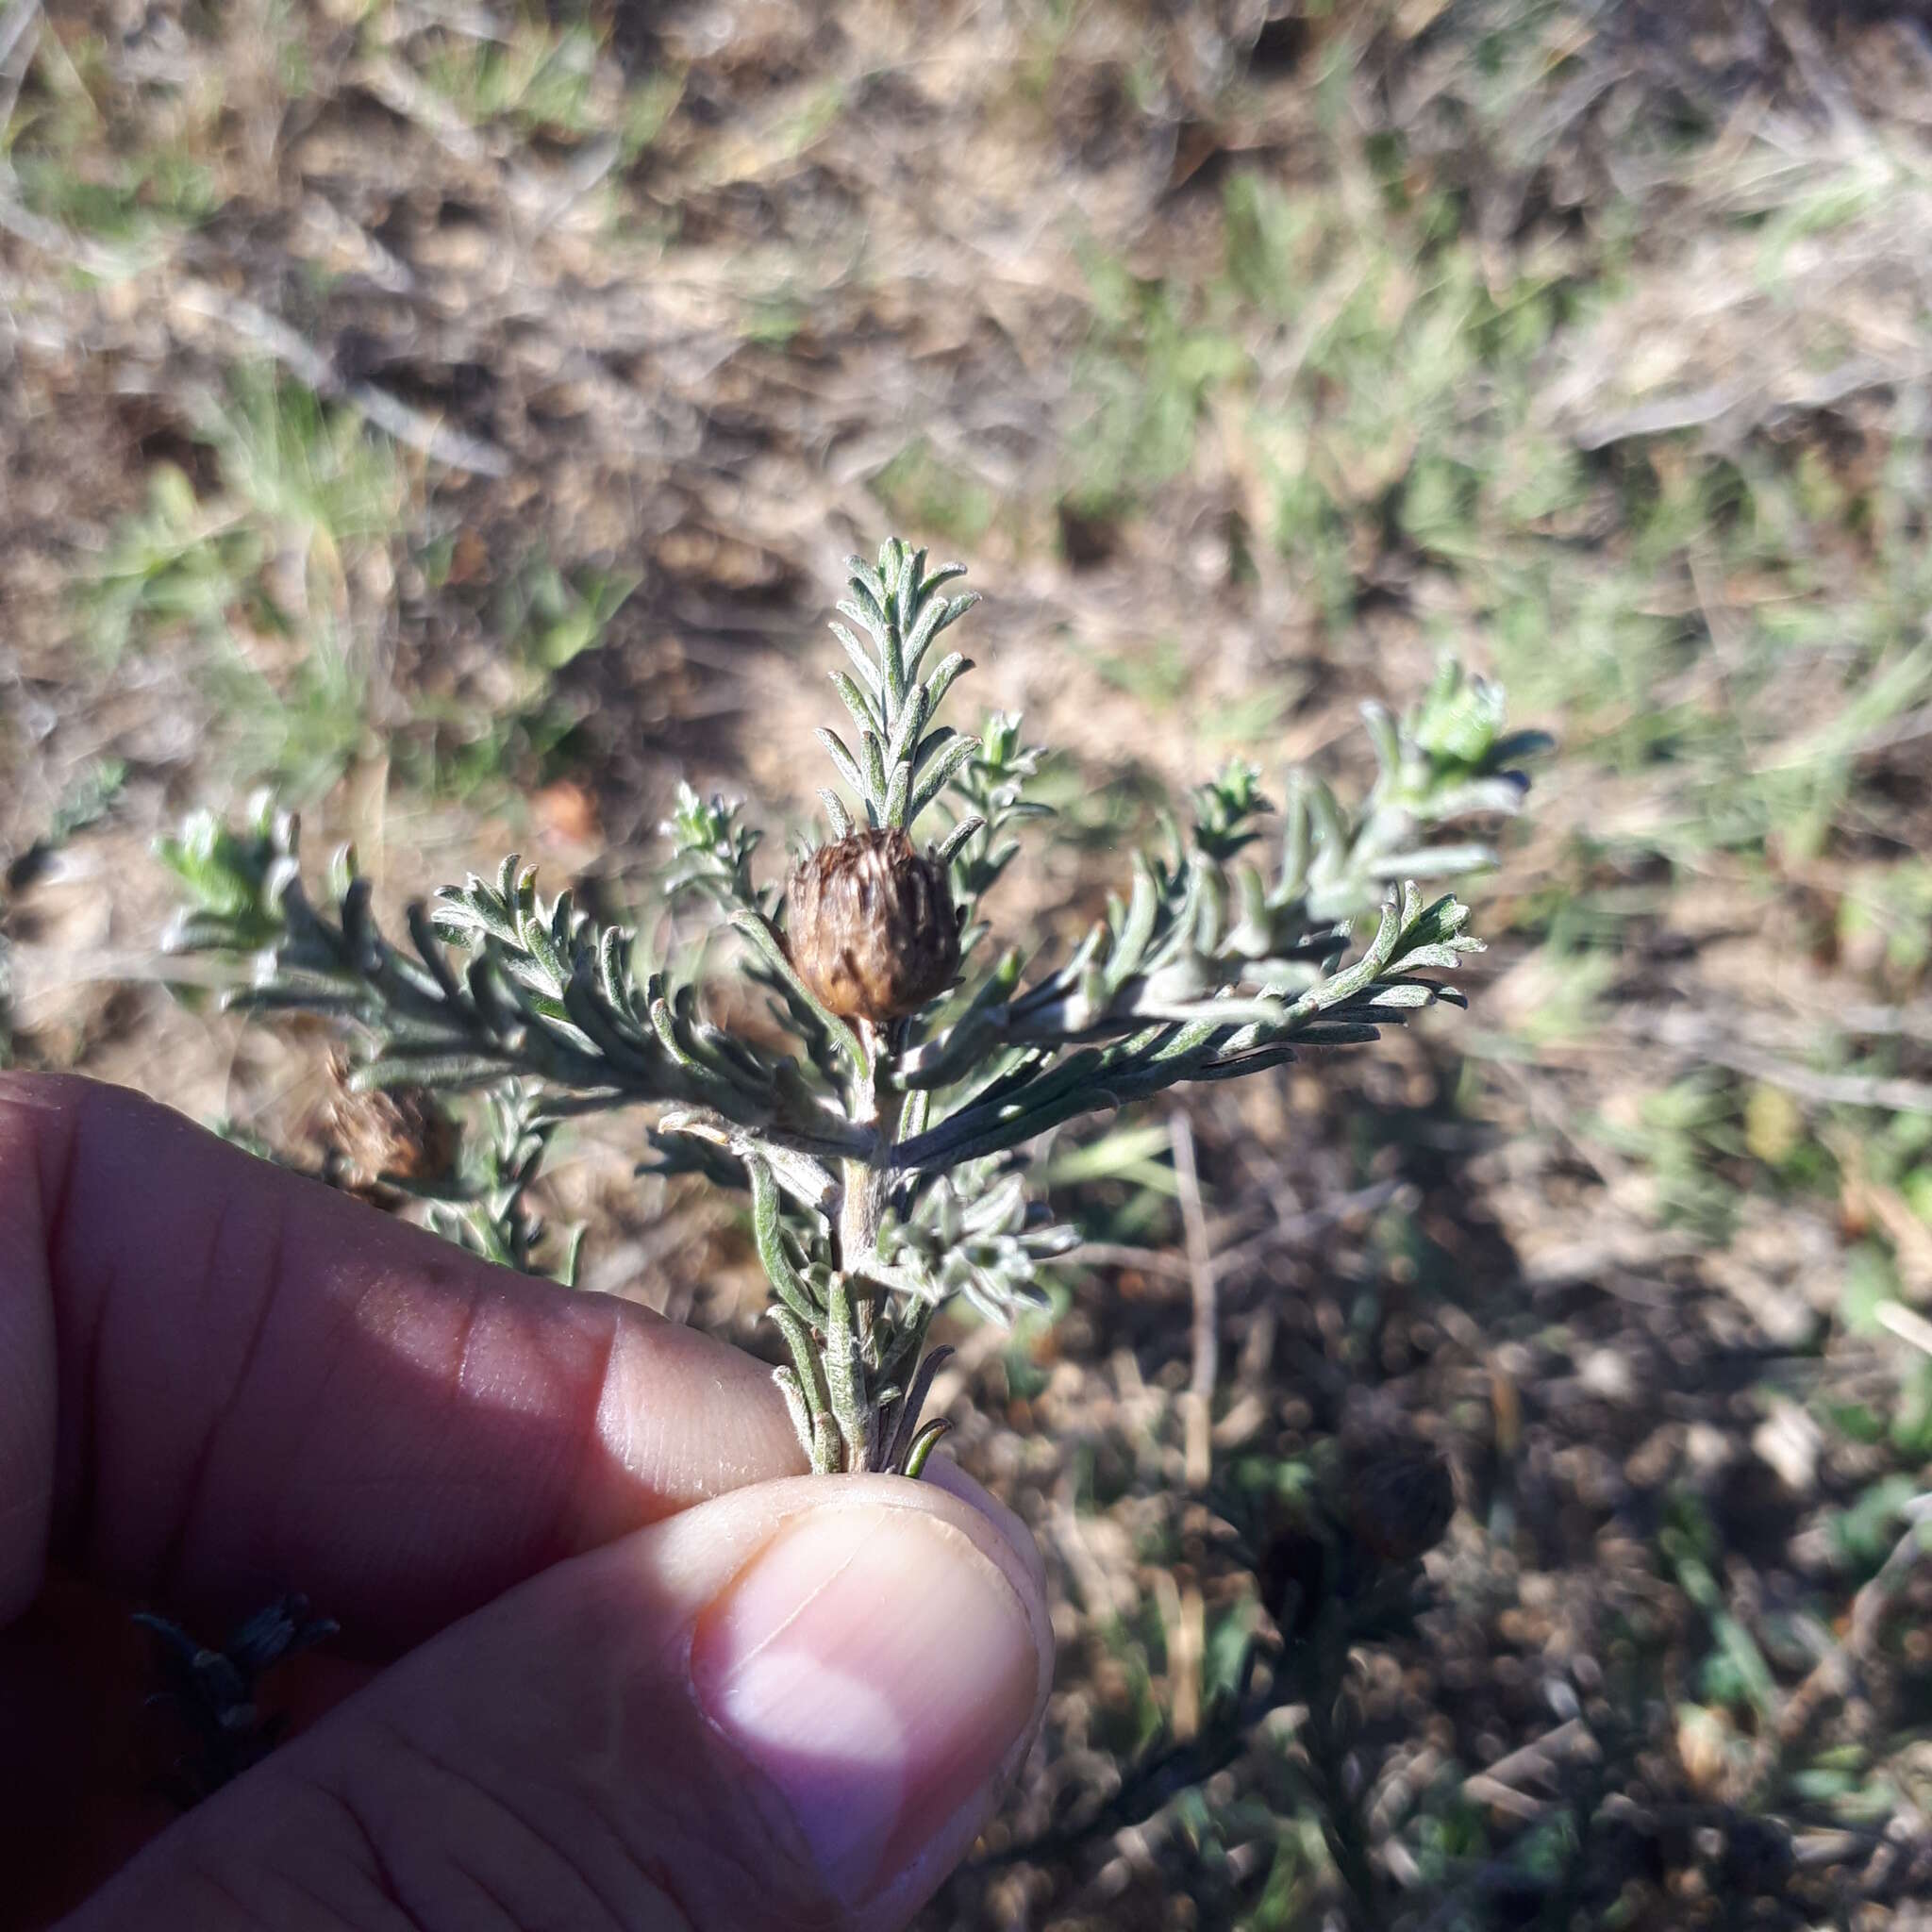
pixel 397 1134
pixel 870 926
pixel 1399 1495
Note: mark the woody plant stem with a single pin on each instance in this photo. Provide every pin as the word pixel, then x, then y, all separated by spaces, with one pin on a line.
pixel 861 1208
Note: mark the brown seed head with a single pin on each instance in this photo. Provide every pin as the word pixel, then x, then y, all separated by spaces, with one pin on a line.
pixel 400 1133
pixel 1399 1494
pixel 870 926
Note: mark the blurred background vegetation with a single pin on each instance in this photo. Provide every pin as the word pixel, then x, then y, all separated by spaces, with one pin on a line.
pixel 455 413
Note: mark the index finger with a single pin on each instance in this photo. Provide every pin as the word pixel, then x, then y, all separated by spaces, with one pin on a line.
pixel 220 1381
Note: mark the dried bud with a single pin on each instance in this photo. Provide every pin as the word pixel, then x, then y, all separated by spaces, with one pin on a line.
pixel 870 926
pixel 400 1133
pixel 1399 1495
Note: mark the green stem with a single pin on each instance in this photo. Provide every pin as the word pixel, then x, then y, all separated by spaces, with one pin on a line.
pixel 1343 1825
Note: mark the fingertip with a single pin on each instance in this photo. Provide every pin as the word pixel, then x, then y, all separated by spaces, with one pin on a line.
pixel 881 1663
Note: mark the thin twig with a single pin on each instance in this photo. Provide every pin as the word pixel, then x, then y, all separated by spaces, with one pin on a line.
pixel 453 447
pixel 13 26
pixel 1283 1233
pixel 1495 1785
pixel 20 37
pixel 1835 1676
pixel 1695 1034
pixel 1573 1737
pixel 1906 1023
pixel 1906 1324
pixel 1870 1605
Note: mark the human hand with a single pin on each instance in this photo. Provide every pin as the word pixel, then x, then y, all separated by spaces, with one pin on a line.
pixel 606 1659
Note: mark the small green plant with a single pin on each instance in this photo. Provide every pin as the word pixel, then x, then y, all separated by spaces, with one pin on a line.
pixel 885 1153
pixel 921 487
pixel 307 497
pixel 1337 1568
pixel 268 580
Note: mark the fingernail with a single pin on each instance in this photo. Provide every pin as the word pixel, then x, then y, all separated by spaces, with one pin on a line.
pixel 944 1473
pixel 878 1669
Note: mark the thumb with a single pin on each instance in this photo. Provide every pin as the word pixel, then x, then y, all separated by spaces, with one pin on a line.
pixel 793 1706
